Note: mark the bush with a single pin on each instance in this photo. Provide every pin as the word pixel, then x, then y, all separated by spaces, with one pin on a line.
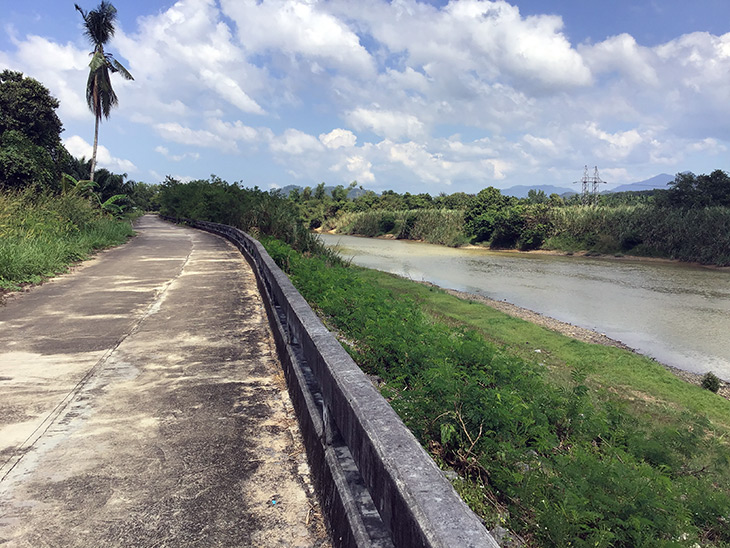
pixel 711 382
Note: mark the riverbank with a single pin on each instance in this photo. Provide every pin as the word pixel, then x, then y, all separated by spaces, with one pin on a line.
pixel 558 440
pixel 558 348
pixel 575 332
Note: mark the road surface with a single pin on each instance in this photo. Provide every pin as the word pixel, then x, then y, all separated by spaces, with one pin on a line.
pixel 142 404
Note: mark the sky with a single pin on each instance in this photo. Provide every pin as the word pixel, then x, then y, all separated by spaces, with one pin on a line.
pixel 412 96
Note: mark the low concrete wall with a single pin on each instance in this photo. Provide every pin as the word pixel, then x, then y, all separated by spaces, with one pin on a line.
pixel 376 483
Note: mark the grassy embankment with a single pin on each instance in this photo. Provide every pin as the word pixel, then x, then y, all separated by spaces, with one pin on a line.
pixel 41 235
pixel 579 445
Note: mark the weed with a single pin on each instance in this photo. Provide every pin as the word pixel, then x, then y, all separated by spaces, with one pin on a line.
pixel 40 235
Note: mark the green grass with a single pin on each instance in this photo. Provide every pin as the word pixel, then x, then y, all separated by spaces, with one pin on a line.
pixel 580 445
pixel 615 370
pixel 41 235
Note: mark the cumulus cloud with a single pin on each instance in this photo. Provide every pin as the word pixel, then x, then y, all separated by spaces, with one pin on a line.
pixel 177 133
pixel 386 123
pixel 78 147
pixel 301 29
pixel 295 142
pixel 621 54
pixel 338 138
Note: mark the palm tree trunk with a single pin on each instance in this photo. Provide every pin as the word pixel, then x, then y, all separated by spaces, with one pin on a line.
pixel 93 153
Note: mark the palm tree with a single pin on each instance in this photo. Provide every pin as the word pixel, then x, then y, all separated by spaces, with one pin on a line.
pixel 99 28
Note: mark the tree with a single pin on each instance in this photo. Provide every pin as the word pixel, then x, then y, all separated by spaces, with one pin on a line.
pixel 536 196
pixel 481 215
pixel 320 192
pixel 692 191
pixel 30 133
pixel 100 96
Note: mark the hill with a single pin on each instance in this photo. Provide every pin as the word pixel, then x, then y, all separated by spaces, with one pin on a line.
pixel 658 181
pixel 520 191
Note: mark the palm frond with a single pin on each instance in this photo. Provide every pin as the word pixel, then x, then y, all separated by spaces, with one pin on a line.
pixel 120 68
pixel 98 60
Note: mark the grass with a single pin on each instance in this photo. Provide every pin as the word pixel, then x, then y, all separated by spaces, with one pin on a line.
pixel 42 235
pixel 613 370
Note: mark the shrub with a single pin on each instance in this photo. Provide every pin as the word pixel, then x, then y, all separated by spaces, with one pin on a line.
pixel 711 382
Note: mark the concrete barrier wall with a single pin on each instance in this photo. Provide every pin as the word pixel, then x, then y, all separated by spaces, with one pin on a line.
pixel 377 485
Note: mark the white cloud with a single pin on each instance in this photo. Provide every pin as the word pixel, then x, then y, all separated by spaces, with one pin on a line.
pixel 619 145
pixel 295 142
pixel 176 157
pixel 302 29
pixel 708 145
pixel 78 147
pixel 229 90
pixel 238 131
pixel 338 138
pixel 623 55
pixel 172 131
pixel 385 123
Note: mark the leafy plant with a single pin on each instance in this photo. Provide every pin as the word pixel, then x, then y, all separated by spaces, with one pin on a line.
pixel 710 382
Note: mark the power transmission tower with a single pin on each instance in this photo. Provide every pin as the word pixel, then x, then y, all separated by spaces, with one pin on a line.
pixel 596 181
pixel 589 186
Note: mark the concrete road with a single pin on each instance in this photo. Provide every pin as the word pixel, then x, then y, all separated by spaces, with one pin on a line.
pixel 142 404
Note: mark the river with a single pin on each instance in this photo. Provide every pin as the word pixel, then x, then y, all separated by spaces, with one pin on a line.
pixel 677 313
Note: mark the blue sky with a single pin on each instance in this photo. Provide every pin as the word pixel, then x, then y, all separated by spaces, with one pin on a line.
pixel 404 95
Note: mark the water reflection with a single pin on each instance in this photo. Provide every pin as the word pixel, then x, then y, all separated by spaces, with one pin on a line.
pixel 676 313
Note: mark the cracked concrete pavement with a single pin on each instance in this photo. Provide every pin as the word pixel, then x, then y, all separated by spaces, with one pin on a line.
pixel 143 405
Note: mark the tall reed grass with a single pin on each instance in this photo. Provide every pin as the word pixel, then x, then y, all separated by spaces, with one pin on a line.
pixel 697 235
pixel 41 235
pixel 436 226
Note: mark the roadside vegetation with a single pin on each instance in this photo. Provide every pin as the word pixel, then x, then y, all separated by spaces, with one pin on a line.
pixel 50 214
pixel 258 212
pixel 575 445
pixel 41 235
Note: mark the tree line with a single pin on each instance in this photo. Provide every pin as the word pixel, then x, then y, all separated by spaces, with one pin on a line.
pixel 689 220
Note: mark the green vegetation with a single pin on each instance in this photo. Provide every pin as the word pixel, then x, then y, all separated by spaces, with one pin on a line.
pixel 41 234
pixel 689 221
pixel 253 210
pixel 578 445
pixel 710 382
pixel 435 226
pixel 30 134
pixel 50 216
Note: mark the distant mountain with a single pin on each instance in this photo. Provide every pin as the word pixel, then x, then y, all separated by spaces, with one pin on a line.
pixel 520 191
pixel 658 181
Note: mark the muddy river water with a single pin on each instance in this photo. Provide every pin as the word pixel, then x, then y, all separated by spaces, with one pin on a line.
pixel 674 312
